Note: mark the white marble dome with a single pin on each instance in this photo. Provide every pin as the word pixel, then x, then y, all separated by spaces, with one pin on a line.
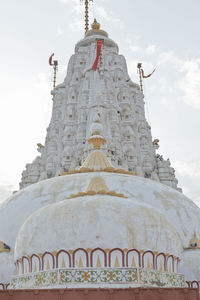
pixel 14 211
pixel 96 222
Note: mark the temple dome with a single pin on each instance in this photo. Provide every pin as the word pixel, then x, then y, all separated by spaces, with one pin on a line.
pixel 96 221
pixel 171 204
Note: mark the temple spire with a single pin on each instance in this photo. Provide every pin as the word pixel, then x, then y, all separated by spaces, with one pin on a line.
pixel 86 14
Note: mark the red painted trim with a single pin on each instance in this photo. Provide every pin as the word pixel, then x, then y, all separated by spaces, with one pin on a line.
pixel 91 256
pixel 31 262
pixel 66 252
pixel 172 257
pixel 149 251
pixel 109 256
pixel 194 282
pixel 87 259
pixel 133 250
pixel 161 254
pixel 23 259
pixel 177 264
pixel 6 286
pixel 43 256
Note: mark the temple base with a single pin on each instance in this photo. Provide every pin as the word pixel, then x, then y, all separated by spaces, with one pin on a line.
pixel 103 294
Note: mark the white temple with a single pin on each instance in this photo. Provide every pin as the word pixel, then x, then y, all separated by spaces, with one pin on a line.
pixel 98 207
pixel 121 105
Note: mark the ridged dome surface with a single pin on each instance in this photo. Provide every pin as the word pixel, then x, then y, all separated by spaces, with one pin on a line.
pixel 96 221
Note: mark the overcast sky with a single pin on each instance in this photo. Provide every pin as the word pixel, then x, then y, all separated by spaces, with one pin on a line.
pixel 158 33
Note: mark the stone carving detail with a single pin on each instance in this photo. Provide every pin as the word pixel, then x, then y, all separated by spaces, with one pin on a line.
pixel 120 103
pixel 166 173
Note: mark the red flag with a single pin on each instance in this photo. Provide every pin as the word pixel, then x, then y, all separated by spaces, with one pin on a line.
pixel 147 76
pixel 50 59
pixel 99 45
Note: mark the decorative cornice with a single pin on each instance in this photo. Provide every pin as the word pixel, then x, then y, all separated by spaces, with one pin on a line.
pixel 107 170
pixel 91 193
pixel 115 257
pixel 191 248
pixel 102 277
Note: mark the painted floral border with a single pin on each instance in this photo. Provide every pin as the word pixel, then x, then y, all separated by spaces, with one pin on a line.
pixel 64 277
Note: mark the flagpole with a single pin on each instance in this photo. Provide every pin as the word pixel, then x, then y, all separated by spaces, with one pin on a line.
pixel 140 77
pixel 53 64
pixel 86 14
pixel 55 68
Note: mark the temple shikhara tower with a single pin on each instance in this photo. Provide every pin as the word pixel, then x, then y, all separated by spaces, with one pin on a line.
pixel 110 92
pixel 99 209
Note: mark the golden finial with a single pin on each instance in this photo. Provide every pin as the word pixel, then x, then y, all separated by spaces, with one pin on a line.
pixel 97 160
pixel 96 30
pixel 95 25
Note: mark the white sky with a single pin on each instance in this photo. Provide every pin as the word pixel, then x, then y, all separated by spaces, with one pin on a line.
pixel 161 33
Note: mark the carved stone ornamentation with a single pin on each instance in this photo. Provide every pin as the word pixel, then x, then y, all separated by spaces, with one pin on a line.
pixel 109 91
